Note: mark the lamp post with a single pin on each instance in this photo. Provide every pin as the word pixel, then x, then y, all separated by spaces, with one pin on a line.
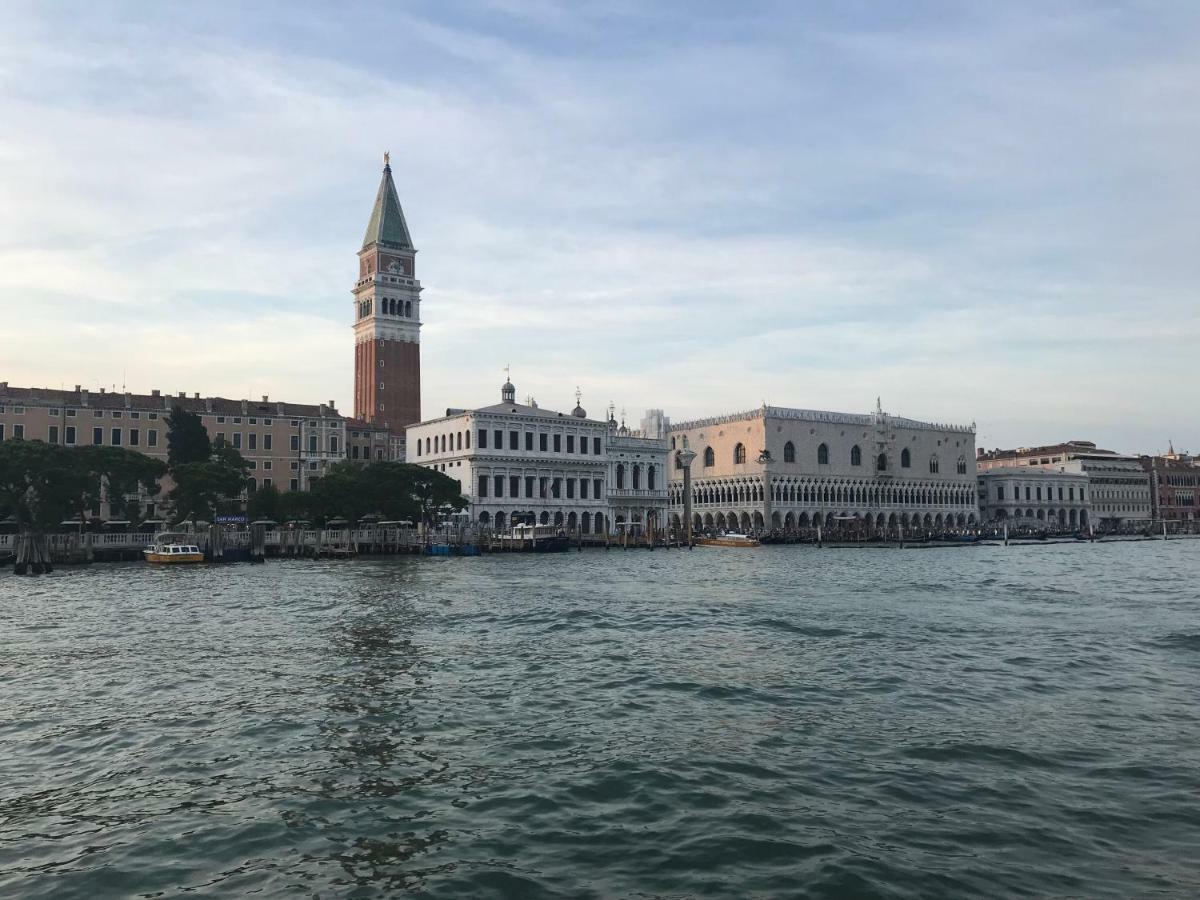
pixel 685 457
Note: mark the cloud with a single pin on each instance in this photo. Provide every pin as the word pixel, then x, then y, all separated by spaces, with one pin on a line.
pixel 982 213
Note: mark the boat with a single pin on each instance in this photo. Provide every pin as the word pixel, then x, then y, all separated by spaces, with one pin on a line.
pixel 173 547
pixel 728 539
pixel 538 538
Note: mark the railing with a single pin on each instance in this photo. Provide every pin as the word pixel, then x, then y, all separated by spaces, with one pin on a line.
pixel 308 537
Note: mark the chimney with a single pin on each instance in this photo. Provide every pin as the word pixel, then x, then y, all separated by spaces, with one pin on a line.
pixel 102 390
pixel 332 405
pixel 264 398
pixel 154 393
pixel 77 389
pixel 182 394
pixel 4 386
pixel 196 396
pixel 322 409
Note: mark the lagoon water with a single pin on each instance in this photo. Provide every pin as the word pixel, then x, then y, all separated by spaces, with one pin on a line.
pixel 779 722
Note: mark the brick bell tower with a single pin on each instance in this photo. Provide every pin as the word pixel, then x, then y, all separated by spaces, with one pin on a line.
pixel 387 317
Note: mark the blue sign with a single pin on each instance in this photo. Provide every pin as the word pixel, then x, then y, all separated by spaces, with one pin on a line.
pixel 231 520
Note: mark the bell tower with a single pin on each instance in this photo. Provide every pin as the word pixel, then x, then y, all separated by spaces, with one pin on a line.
pixel 387 317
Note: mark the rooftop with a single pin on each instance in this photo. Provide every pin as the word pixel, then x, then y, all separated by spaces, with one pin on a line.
pixel 156 400
pixel 817 415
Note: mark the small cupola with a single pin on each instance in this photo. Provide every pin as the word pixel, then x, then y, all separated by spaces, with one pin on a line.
pixel 508 393
pixel 578 412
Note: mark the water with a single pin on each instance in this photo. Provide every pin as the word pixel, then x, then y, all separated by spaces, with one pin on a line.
pixel 787 721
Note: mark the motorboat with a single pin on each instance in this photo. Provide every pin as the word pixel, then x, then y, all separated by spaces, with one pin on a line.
pixel 538 538
pixel 173 548
pixel 728 539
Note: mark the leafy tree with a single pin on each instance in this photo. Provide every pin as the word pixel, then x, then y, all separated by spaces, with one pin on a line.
pixel 390 490
pixel 202 486
pixel 431 490
pixel 115 472
pixel 265 503
pixel 41 484
pixel 187 439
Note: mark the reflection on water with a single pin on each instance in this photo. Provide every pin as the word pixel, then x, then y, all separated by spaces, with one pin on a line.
pixel 777 722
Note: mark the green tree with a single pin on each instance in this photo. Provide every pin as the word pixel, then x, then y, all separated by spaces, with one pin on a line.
pixel 187 439
pixel 41 484
pixel 113 473
pixel 431 490
pixel 265 503
pixel 390 490
pixel 202 487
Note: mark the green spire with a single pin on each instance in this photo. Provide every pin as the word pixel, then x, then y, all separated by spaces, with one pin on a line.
pixel 387 225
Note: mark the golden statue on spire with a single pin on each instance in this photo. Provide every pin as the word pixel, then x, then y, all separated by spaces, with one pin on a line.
pixel 387 158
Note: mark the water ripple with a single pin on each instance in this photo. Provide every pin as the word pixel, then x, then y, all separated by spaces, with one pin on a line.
pixel 983 722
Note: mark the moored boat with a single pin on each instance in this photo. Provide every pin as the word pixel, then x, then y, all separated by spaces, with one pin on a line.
pixel 173 548
pixel 728 539
pixel 538 538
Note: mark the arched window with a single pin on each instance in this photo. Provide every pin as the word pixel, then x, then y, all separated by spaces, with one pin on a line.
pixel 856 455
pixel 650 477
pixel 739 453
pixel 710 458
pixel 637 476
pixel 905 459
pixel 933 465
pixel 881 462
pixel 789 452
pixel 408 308
pixel 620 475
pixel 672 443
pixel 823 455
pixel 962 465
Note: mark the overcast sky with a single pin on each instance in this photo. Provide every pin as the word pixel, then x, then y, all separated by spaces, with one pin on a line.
pixel 981 212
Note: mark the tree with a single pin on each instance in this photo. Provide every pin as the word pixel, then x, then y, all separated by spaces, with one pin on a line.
pixel 187 439
pixel 201 486
pixel 114 472
pixel 266 503
pixel 41 484
pixel 432 490
pixel 391 490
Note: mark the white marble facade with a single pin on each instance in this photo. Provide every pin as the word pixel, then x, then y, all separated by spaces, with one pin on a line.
pixel 782 468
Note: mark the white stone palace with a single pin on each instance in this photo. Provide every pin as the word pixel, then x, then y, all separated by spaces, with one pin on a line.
pixel 519 462
pixel 780 468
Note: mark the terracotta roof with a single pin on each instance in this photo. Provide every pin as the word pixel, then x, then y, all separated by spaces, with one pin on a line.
pixel 162 402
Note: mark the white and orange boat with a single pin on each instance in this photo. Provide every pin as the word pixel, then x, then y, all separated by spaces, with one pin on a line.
pixel 172 548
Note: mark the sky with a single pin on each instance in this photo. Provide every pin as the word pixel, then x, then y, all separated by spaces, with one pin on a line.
pixel 977 212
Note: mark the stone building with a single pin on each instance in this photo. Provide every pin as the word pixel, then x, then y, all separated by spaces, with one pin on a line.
pixel 637 474
pixel 1118 486
pixel 782 468
pixel 1174 486
pixel 285 444
pixel 518 462
pixel 1038 497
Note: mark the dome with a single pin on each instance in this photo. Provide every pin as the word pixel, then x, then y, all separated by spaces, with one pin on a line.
pixel 508 393
pixel 579 412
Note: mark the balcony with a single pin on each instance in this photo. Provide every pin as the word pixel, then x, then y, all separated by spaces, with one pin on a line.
pixel 638 493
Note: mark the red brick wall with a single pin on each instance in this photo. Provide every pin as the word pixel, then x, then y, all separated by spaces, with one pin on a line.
pixel 401 379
